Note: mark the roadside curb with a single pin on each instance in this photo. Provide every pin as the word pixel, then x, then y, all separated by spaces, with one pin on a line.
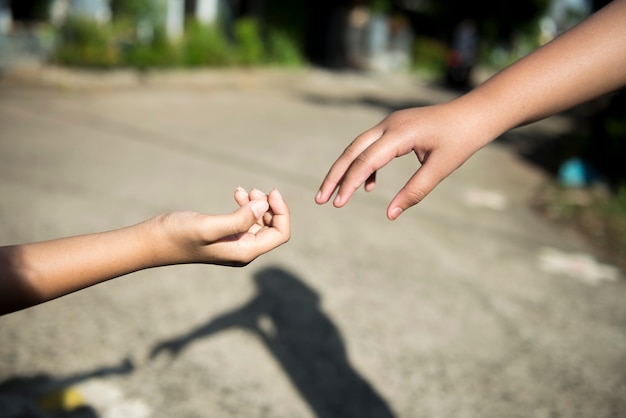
pixel 79 79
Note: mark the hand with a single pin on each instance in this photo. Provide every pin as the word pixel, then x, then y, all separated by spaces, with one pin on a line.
pixel 261 224
pixel 440 136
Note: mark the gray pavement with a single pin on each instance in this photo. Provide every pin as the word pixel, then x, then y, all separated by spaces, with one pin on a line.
pixel 470 305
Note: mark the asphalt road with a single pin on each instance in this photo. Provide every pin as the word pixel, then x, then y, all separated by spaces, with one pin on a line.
pixel 469 305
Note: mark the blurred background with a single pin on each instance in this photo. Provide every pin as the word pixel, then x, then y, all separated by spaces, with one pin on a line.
pixel 382 35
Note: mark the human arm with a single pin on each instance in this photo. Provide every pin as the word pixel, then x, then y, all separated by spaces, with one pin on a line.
pixel 34 273
pixel 585 62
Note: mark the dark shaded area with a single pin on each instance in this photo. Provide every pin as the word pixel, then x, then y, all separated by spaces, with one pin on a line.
pixel 21 395
pixel 29 11
pixel 286 316
pixel 605 145
pixel 388 106
pixel 324 39
pixel 598 138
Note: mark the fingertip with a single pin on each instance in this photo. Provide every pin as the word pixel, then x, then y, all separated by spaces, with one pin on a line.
pixel 277 202
pixel 276 193
pixel 323 196
pixel 241 196
pixel 394 212
pixel 257 194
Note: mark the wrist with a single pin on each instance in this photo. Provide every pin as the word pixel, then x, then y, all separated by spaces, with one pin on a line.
pixel 167 239
pixel 155 241
pixel 476 119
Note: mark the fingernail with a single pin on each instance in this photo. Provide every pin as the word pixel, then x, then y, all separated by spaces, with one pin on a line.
pixel 318 196
pixel 395 212
pixel 240 189
pixel 278 193
pixel 259 207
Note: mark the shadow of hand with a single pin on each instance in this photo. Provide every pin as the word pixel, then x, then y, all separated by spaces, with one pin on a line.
pixel 172 347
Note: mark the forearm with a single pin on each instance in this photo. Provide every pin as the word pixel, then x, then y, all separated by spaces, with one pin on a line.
pixel 583 63
pixel 34 273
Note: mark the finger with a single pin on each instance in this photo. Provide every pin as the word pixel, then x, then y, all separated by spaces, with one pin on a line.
pixel 343 163
pixel 362 170
pixel 241 220
pixel 241 196
pixel 370 183
pixel 281 219
pixel 256 194
pixel 425 179
pixel 269 238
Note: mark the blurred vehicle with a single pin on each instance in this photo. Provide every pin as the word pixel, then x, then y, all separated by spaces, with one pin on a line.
pixel 462 55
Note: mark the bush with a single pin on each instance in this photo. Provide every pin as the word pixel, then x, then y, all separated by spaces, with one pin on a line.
pixel 138 10
pixel 429 55
pixel 87 43
pixel 250 46
pixel 158 53
pixel 282 50
pixel 205 45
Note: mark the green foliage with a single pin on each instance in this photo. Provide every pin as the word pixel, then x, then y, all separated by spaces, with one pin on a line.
pixel 380 6
pixel 87 43
pixel 41 10
pixel 429 56
pixel 250 46
pixel 599 214
pixel 158 53
pixel 282 50
pixel 144 45
pixel 206 45
pixel 613 214
pixel 138 10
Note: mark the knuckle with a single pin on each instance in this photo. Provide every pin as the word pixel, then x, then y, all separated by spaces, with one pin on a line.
pixel 364 159
pixel 239 224
pixel 415 196
pixel 350 151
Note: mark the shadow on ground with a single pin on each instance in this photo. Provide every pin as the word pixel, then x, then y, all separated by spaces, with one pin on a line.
pixel 387 105
pixel 286 316
pixel 45 396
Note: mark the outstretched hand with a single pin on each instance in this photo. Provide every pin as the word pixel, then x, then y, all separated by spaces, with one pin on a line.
pixel 261 224
pixel 435 134
pixel 580 64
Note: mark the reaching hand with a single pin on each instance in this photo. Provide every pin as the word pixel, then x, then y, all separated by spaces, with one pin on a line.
pixel 436 134
pixel 580 64
pixel 261 224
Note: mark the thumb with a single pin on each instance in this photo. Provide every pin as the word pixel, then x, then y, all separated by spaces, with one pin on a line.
pixel 239 221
